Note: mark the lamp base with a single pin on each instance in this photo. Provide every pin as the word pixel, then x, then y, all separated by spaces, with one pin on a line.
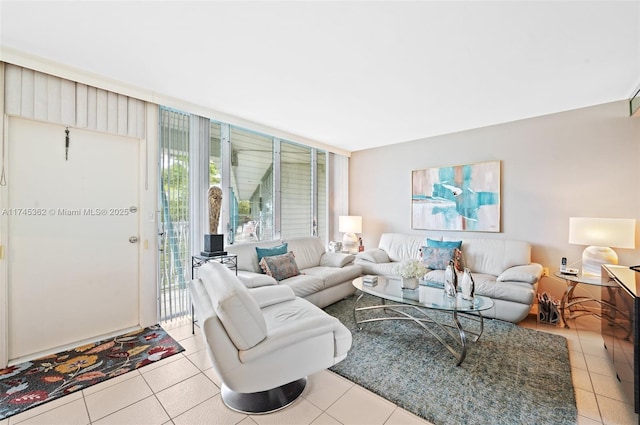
pixel 593 257
pixel 350 243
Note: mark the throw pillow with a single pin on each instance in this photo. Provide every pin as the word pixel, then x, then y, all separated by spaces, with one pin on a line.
pixel 443 244
pixel 280 267
pixel 269 252
pixel 438 258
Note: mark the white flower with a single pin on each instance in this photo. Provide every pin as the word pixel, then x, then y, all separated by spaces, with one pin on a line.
pixel 410 268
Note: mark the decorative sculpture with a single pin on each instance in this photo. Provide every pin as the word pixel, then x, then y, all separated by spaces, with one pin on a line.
pixel 468 285
pixel 450 280
pixel 215 202
pixel 214 242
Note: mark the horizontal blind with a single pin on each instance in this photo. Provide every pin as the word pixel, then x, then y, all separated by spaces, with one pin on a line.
pixel 295 190
pixel 35 95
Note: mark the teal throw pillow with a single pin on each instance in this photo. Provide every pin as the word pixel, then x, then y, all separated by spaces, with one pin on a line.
pixel 443 244
pixel 270 252
pixel 438 258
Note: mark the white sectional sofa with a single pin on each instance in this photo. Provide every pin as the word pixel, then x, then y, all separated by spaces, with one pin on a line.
pixel 325 277
pixel 501 268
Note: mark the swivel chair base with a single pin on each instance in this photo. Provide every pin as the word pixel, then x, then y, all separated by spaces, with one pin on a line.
pixel 264 401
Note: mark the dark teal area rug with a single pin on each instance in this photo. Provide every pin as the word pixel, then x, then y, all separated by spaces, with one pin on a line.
pixel 30 384
pixel 512 375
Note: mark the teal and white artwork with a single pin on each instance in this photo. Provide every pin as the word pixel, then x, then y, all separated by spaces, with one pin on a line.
pixel 461 197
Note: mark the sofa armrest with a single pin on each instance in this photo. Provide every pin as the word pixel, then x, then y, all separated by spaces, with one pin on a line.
pixel 255 280
pixel 292 332
pixel 336 259
pixel 270 295
pixel 529 273
pixel 374 255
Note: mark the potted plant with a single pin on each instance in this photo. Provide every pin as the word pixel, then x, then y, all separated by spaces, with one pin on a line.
pixel 410 271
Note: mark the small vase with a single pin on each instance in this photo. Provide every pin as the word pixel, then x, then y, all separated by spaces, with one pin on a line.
pixel 467 285
pixel 409 283
pixel 450 281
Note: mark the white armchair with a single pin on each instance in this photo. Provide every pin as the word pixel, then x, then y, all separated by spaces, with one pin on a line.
pixel 263 342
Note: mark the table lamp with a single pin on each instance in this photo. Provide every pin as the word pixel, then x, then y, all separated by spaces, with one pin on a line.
pixel 601 234
pixel 350 225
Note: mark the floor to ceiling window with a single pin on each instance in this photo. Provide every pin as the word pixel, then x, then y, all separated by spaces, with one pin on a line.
pixel 174 244
pixel 251 186
pixel 296 189
pixel 272 189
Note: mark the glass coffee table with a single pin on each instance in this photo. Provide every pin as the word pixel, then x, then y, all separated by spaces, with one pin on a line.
pixel 417 304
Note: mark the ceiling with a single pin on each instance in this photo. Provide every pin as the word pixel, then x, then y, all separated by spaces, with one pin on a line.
pixel 352 75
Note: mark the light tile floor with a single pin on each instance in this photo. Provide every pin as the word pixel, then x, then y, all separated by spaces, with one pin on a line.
pixel 184 390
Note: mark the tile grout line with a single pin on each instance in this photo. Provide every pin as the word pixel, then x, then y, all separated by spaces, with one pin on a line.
pixel 86 408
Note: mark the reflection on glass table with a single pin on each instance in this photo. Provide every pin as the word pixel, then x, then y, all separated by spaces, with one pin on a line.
pixel 418 305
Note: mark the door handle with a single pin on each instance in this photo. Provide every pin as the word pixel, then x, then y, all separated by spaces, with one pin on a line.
pixel 133 239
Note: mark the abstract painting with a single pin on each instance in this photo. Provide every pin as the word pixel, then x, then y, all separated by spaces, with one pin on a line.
pixel 461 197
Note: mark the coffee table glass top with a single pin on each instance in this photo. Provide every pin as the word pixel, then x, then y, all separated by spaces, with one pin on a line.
pixel 424 296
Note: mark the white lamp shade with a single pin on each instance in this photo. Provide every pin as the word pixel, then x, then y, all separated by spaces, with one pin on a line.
pixel 609 232
pixel 601 234
pixel 350 224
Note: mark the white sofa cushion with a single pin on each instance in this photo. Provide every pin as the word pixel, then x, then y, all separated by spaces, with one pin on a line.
pixel 255 280
pixel 304 285
pixel 307 251
pixel 528 273
pixel 333 276
pixel 375 255
pixel 336 259
pixel 401 247
pixel 435 277
pixel 238 311
pixel 519 292
pixel 493 256
pixel 266 296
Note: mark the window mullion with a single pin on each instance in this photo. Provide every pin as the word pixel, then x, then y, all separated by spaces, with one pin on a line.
pixel 314 192
pixel 276 188
pixel 225 183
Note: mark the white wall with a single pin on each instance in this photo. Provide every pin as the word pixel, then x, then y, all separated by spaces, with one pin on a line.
pixel 578 163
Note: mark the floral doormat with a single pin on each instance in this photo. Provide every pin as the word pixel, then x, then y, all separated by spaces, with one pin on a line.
pixel 32 383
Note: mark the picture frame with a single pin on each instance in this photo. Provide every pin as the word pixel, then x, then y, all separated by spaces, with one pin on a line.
pixel 460 198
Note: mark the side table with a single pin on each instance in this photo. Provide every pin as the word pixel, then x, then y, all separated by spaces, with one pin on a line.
pixel 573 306
pixel 229 260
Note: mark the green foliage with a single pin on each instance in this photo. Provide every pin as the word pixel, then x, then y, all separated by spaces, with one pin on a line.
pixel 214 174
pixel 244 208
pixel 175 180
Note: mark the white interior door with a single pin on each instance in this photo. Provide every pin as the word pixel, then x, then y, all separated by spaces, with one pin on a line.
pixel 72 271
